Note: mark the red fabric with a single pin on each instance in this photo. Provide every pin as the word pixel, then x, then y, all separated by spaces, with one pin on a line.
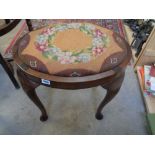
pixel 15 38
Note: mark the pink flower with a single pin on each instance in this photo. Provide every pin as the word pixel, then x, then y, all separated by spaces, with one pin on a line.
pixel 41 47
pixel 98 51
pixel 64 60
pixel 98 33
pixel 47 31
pixel 148 83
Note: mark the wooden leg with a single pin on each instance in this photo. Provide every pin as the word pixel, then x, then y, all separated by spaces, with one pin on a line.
pixel 7 21
pixel 29 88
pixel 29 24
pixel 9 70
pixel 112 90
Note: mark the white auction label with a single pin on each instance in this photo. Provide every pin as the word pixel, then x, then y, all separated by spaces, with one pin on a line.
pixel 47 82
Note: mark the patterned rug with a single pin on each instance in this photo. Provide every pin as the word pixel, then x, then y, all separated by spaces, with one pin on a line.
pixel 112 24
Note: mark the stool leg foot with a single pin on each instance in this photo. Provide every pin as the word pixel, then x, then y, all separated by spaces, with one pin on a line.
pixel 99 116
pixel 44 118
pixel 29 88
pixel 109 96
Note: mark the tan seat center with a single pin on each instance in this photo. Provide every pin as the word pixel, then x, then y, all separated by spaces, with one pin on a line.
pixel 73 40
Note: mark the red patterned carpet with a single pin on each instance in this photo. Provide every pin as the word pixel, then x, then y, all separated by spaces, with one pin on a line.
pixel 113 24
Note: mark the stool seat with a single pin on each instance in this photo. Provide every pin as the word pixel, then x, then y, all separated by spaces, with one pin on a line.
pixel 69 50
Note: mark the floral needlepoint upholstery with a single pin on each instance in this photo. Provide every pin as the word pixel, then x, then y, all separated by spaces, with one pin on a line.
pixel 73 49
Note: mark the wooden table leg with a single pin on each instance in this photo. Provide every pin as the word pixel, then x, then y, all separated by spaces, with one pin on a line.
pixel 29 88
pixel 112 89
pixel 9 70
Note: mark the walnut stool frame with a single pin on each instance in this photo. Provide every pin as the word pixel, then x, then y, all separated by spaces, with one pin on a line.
pixel 110 80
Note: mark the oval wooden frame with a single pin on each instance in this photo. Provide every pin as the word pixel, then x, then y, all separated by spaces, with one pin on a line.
pixel 71 82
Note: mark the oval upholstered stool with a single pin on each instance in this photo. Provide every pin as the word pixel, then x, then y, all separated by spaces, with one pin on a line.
pixel 71 56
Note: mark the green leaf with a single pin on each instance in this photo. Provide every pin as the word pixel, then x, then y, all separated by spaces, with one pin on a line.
pixel 51 46
pixel 55 57
pixel 51 37
pixel 77 61
pixel 81 28
pixel 90 48
pixel 75 54
pixel 45 54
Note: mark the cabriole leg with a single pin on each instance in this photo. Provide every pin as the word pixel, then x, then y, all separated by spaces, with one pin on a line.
pixel 112 90
pixel 29 88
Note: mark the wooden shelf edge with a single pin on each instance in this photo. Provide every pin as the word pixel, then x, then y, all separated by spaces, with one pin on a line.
pixel 129 37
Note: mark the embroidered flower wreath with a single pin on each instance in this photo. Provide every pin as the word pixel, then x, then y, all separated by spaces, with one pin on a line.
pixel 44 44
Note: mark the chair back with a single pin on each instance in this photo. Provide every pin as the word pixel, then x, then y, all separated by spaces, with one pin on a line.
pixel 8 27
pixel 9 34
